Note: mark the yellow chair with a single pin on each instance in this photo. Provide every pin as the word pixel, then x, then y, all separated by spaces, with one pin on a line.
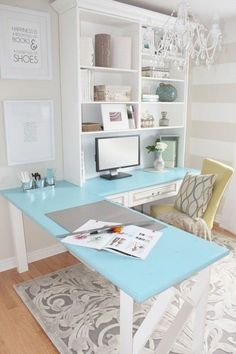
pixel 223 174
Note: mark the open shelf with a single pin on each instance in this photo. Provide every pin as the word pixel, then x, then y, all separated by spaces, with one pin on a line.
pixel 147 78
pixel 160 103
pixel 109 102
pixel 107 69
pixel 163 127
pixel 101 132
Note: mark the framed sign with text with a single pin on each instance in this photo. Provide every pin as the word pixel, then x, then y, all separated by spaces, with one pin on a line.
pixel 25 44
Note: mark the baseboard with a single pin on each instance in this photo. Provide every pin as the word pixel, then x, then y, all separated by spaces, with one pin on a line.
pixel 33 256
pixel 218 219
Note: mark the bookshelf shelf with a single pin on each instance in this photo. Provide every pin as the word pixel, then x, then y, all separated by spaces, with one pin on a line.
pixel 108 69
pixel 146 78
pixel 104 132
pixel 163 103
pixel 109 102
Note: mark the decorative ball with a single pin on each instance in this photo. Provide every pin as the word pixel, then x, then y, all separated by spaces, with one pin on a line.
pixel 166 92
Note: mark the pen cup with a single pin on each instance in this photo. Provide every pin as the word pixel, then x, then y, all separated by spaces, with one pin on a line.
pixel 50 177
pixel 40 183
pixel 27 185
pixel 50 181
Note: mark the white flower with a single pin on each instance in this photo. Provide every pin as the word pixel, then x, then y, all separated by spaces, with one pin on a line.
pixel 160 146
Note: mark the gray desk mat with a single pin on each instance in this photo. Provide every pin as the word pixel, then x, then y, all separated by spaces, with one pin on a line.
pixel 72 218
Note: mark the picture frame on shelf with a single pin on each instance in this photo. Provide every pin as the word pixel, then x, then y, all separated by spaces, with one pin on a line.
pixel 114 116
pixel 25 44
pixel 170 155
pixel 29 130
pixel 148 44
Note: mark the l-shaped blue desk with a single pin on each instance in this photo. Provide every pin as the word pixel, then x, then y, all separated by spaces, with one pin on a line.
pixel 177 256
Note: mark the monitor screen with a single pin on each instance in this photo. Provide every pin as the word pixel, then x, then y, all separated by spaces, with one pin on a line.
pixel 116 152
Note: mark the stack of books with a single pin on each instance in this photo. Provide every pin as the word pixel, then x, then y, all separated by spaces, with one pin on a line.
pixel 150 98
pixel 156 72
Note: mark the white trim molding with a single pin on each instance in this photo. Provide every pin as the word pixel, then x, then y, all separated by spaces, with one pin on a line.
pixel 112 8
pixel 33 256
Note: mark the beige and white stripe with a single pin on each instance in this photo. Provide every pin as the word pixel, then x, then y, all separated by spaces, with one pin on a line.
pixel 212 114
pixel 212 109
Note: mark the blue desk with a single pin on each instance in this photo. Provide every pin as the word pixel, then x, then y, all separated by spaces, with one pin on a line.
pixel 177 256
pixel 139 179
pixel 36 203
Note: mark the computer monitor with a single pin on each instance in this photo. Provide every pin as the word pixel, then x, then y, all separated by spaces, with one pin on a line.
pixel 112 153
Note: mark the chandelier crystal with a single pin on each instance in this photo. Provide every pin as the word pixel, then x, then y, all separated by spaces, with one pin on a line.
pixel 183 37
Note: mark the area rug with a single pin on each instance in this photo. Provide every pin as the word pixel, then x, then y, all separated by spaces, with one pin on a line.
pixel 79 310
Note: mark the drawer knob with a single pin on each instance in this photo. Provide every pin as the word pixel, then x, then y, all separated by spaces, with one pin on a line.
pixel 155 194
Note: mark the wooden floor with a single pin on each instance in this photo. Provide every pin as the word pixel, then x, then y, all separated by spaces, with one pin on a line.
pixel 19 331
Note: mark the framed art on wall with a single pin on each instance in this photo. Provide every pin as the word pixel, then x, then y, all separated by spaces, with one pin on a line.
pixel 25 44
pixel 170 155
pixel 29 131
pixel 114 116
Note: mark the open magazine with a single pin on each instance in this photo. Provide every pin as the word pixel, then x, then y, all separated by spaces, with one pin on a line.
pixel 132 240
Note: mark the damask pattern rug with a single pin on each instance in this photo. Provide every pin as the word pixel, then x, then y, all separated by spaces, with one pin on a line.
pixel 79 310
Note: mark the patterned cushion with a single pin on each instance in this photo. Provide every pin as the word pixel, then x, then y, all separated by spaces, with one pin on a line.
pixel 194 194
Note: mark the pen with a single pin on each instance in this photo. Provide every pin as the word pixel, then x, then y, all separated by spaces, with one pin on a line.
pixel 107 228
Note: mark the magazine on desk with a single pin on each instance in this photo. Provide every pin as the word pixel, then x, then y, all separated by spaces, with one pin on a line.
pixel 134 241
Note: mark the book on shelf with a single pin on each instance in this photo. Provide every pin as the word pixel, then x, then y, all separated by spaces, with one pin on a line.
pixel 155 72
pixel 154 68
pixel 132 240
pixel 150 98
pixel 131 116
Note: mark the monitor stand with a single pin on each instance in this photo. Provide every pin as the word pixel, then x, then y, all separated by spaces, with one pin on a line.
pixel 114 174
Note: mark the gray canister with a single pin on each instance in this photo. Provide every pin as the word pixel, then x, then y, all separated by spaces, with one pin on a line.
pixel 103 50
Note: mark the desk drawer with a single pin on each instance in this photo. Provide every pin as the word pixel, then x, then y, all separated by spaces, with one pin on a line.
pixel 150 194
pixel 121 198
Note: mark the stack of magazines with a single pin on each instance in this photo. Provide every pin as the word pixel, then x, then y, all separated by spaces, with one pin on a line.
pixel 129 240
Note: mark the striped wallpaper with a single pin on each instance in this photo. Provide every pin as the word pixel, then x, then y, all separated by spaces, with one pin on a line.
pixel 211 128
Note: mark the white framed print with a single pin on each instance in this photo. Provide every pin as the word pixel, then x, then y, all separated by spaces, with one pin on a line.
pixel 114 116
pixel 25 44
pixel 29 131
pixel 148 46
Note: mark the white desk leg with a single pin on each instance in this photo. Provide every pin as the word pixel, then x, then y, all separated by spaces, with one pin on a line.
pixel 199 313
pixel 126 323
pixel 17 227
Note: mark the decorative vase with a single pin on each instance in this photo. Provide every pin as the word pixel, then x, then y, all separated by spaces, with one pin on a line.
pixel 163 122
pixel 166 92
pixel 159 163
pixel 103 50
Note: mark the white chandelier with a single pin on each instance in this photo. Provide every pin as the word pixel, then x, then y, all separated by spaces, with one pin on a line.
pixel 183 37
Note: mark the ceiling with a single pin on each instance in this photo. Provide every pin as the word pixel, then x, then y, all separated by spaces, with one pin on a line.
pixel 203 9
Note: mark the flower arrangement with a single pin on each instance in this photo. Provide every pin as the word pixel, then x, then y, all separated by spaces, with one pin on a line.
pixel 158 146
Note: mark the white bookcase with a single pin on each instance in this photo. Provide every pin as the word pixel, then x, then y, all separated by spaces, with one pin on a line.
pixel 85 19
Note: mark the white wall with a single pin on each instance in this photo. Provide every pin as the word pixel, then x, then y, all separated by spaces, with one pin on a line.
pixel 26 90
pixel 212 109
